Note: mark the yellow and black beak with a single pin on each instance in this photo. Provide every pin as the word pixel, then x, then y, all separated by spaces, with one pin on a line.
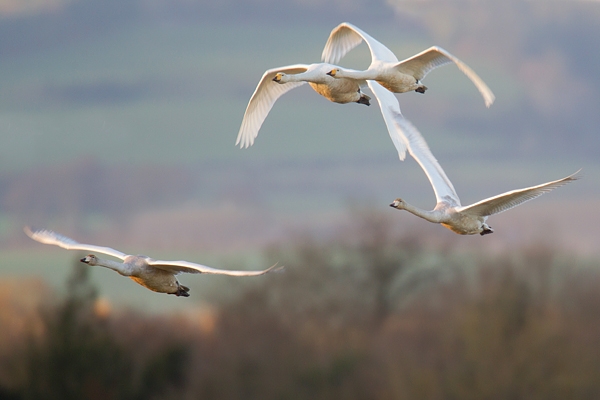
pixel 332 72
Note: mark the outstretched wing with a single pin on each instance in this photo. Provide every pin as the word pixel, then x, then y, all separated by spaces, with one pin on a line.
pixel 193 268
pixel 345 37
pixel 265 95
pixel 406 137
pixel 420 64
pixel 50 237
pixel 508 200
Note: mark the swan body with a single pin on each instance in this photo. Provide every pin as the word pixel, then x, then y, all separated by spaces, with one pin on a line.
pixel 278 81
pixel 470 220
pixel 396 76
pixel 156 275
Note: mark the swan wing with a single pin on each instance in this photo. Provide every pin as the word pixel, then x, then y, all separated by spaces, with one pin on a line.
pixel 390 109
pixel 508 200
pixel 345 37
pixel 193 268
pixel 50 237
pixel 406 137
pixel 265 95
pixel 420 64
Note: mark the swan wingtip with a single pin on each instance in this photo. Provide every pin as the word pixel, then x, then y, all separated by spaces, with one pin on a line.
pixel 576 175
pixel 275 268
pixel 28 231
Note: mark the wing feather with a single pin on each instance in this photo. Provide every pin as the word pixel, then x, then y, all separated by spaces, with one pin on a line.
pixel 406 137
pixel 508 200
pixel 345 37
pixel 50 237
pixel 193 268
pixel 421 64
pixel 265 95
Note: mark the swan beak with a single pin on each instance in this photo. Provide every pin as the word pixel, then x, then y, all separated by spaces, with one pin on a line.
pixel 331 73
pixel 84 260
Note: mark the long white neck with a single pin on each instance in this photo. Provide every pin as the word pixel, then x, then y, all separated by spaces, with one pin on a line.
pixel 121 268
pixel 308 76
pixel 367 74
pixel 431 216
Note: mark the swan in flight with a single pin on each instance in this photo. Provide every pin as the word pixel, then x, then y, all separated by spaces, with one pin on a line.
pixel 464 220
pixel 448 211
pixel 396 76
pixel 277 81
pixel 470 220
pixel 156 275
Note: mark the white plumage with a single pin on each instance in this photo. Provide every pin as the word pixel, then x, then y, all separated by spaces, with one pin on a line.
pixel 396 76
pixel 277 81
pixel 156 275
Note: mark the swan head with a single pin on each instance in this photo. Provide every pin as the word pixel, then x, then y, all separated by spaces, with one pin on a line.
pixel 279 77
pixel 335 73
pixel 90 259
pixel 398 203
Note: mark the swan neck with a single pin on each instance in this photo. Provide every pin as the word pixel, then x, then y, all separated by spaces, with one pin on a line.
pixel 431 216
pixel 301 77
pixel 362 75
pixel 120 267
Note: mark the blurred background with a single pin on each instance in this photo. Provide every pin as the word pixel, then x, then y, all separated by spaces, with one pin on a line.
pixel 118 120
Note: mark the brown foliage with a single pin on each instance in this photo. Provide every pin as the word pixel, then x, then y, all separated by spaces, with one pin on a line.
pixel 355 318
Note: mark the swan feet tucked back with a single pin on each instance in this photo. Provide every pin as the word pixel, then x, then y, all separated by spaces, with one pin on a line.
pixel 486 229
pixel 364 99
pixel 182 291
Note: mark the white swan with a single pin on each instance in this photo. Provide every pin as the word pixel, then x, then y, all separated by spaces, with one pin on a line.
pixel 464 220
pixel 396 76
pixel 448 211
pixel 471 219
pixel 277 81
pixel 156 275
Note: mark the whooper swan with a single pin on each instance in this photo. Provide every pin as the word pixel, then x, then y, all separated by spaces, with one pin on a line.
pixel 156 275
pixel 471 219
pixel 448 211
pixel 396 76
pixel 277 81
pixel 464 220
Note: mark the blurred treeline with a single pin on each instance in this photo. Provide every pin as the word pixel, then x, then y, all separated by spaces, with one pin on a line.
pixel 367 315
